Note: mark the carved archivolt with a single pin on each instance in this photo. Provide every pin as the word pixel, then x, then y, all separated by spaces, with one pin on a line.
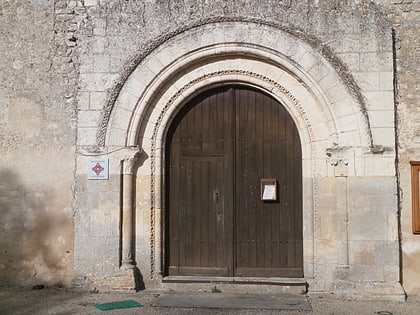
pixel 176 98
pixel 157 127
pixel 315 43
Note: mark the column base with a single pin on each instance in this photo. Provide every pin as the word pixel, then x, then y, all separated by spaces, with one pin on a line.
pixel 128 277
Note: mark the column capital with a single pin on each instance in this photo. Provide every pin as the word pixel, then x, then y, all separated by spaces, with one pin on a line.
pixel 129 161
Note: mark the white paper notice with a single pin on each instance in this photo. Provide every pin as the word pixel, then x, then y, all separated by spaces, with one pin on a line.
pixel 269 192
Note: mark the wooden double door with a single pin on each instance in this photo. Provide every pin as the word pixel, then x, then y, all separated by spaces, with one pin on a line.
pixel 220 146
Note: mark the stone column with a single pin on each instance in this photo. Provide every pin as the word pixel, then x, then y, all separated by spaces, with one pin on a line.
pixel 342 210
pixel 128 209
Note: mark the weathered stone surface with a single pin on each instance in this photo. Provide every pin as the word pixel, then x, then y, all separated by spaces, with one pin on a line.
pixel 66 94
pixel 37 141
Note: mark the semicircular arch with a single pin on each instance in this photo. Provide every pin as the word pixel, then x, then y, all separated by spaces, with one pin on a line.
pixel 322 103
pixel 178 61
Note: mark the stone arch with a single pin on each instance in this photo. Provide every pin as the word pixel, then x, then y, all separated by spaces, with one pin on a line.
pixel 314 87
pixel 319 61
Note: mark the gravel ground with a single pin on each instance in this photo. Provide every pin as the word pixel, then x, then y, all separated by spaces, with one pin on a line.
pixel 63 301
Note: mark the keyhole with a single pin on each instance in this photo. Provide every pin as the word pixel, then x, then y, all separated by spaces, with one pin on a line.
pixel 215 196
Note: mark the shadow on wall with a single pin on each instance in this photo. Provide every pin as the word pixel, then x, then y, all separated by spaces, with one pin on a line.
pixel 35 236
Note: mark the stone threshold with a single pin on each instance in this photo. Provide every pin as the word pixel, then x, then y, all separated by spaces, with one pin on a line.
pixel 252 285
pixel 236 280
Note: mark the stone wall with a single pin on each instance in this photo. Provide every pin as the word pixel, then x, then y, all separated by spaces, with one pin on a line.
pixel 406 23
pixel 63 67
pixel 37 142
pixel 120 46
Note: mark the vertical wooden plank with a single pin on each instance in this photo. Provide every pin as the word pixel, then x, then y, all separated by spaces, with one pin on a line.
pixel 226 102
pixel 281 181
pixel 276 151
pixel 183 213
pixel 253 181
pixel 269 208
pixel 258 148
pixel 205 124
pixel 221 241
pixel 203 220
pixel 290 195
pixel 212 217
pixel 242 159
pixel 189 205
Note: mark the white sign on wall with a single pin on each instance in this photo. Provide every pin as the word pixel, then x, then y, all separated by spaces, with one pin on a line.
pixel 98 169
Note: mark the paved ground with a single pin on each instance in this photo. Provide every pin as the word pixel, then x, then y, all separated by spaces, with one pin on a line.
pixel 62 301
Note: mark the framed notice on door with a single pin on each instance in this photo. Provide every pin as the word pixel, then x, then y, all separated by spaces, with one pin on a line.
pixel 268 189
pixel 415 194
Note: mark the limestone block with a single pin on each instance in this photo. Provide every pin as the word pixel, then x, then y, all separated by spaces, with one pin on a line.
pixel 374 253
pixel 143 74
pixel 379 166
pixel 319 71
pixel 352 60
pixel 86 136
pixel 328 187
pixel 381 61
pixel 308 61
pixel 365 273
pixel 369 42
pixel 368 81
pixel 327 203
pixel 99 45
pixel 121 117
pixel 411 275
pixel 384 136
pixel 328 251
pixel 331 226
pixel 363 224
pixel 383 100
pixel 384 203
pixel 347 123
pixel 83 101
pixel 350 43
pixel 359 201
pixel 386 81
pixel 343 108
pixel 381 119
pixel 297 50
pixel 89 118
pixel 364 186
pixel 97 100
pixel 101 64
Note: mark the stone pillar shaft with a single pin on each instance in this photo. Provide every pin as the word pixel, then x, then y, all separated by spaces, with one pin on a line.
pixel 128 215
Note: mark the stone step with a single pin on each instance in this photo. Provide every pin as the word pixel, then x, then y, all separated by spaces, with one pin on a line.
pixel 235 284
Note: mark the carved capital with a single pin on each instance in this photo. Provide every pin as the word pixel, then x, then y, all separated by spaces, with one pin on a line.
pixel 129 163
pixel 340 158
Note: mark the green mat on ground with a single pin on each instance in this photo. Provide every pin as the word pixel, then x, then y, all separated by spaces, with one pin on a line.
pixel 117 305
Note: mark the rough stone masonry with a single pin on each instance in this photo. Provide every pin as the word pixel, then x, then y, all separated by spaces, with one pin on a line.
pixel 103 79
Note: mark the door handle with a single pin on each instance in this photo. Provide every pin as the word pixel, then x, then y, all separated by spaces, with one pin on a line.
pixel 215 196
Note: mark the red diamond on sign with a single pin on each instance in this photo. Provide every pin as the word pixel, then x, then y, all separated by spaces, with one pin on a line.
pixel 98 169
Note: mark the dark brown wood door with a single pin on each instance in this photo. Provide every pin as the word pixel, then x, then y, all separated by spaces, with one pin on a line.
pixel 220 146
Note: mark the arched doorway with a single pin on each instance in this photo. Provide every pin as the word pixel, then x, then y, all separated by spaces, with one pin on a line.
pixel 220 147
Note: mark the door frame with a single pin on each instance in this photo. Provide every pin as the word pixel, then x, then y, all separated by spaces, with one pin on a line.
pixel 172 125
pixel 140 108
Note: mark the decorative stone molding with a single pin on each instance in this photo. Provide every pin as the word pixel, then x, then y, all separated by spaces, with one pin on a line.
pixel 315 43
pixel 129 164
pixel 153 103
pixel 340 159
